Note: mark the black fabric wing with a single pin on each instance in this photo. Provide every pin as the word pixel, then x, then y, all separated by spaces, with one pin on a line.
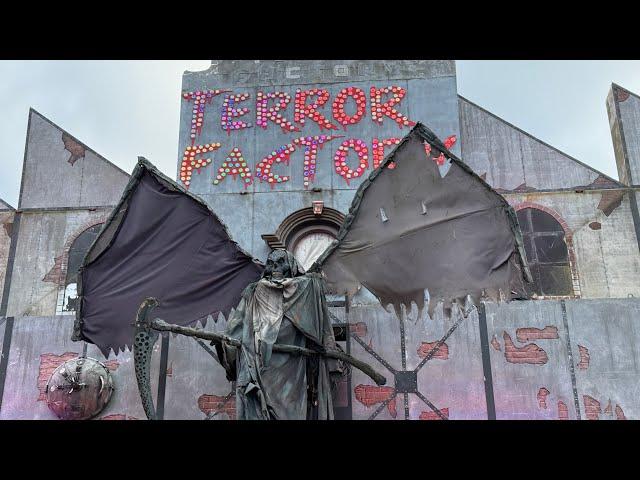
pixel 164 242
pixel 410 229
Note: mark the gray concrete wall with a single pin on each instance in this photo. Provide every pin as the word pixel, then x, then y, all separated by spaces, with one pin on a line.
pixel 511 158
pixel 577 358
pixel 549 360
pixel 520 369
pixel 59 171
pixel 6 225
pixel 41 252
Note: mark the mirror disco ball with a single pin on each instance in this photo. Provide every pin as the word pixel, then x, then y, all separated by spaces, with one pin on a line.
pixel 79 389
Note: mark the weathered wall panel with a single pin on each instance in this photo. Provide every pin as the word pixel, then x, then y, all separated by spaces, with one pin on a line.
pixel 606 249
pixel 42 244
pixel 61 172
pixel 511 158
pixel 6 225
pixel 196 382
pixel 529 361
pixel 38 346
pixel 605 340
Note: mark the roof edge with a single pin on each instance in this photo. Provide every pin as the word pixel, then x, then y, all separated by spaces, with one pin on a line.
pixel 620 87
pixel 52 123
pixel 5 204
pixel 460 97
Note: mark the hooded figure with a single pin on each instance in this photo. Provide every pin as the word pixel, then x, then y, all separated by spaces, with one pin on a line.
pixel 286 306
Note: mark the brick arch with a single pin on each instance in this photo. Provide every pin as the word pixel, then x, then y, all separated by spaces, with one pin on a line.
pixel 568 237
pixel 58 272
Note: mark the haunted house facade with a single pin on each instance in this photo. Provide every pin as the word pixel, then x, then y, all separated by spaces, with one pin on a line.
pixel 277 149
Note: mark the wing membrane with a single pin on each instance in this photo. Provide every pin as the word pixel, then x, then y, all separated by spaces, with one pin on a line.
pixel 410 229
pixel 163 242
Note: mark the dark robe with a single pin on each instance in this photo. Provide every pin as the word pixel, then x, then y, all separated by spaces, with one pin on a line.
pixel 274 385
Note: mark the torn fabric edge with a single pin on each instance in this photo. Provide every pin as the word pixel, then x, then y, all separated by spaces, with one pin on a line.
pixel 112 227
pixel 427 135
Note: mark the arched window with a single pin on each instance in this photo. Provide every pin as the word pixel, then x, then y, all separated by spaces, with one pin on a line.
pixel 77 251
pixel 306 233
pixel 547 253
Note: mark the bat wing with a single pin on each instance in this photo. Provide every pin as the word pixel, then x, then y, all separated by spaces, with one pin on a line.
pixel 164 242
pixel 410 229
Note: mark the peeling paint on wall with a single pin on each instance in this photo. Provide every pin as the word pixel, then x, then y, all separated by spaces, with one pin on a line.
pixel 563 411
pixel 609 201
pixel 529 333
pixel 54 275
pixel 441 354
pixel 583 364
pixel 542 397
pixel 76 149
pixel 531 353
pixel 215 405
pixel 118 416
pixel 369 395
pixel 430 415
pixel 592 408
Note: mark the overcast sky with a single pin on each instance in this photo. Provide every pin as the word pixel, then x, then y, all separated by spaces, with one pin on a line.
pixel 123 109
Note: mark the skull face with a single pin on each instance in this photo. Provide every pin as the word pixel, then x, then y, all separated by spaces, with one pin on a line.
pixel 278 266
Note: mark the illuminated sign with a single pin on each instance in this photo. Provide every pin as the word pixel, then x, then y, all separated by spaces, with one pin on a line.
pixel 247 135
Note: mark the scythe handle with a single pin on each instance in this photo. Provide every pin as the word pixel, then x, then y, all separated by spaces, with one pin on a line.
pixel 162 326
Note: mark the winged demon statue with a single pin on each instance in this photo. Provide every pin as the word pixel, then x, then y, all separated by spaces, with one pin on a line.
pixel 409 232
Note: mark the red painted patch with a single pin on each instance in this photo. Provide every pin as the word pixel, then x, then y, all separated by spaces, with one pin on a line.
pixel 609 201
pixel 595 225
pixel 48 363
pixel 8 228
pixel 528 334
pixel 620 413
pixel 360 329
pixel 531 353
pixel 496 344
pixel 542 397
pixel 584 357
pixel 112 365
pixel 441 354
pixel 55 274
pixel 75 148
pixel 592 408
pixel 621 95
pixel 431 415
pixel 369 395
pixel 563 411
pixel 119 416
pixel 213 404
